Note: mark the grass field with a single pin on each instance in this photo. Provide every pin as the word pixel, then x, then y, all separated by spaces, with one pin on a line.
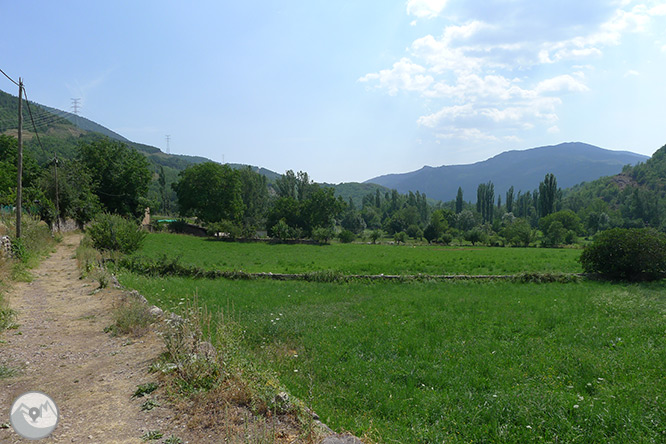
pixel 359 258
pixel 455 361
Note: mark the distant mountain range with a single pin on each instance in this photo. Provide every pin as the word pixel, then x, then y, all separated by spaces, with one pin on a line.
pixel 571 163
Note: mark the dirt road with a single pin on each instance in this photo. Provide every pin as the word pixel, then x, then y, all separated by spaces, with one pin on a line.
pixel 60 348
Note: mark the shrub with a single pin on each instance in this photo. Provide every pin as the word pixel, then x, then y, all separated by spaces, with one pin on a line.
pixel 114 233
pixel 627 254
pixel 322 235
pixel 346 236
pixel 376 235
pixel 400 237
pixel 130 317
pixel 414 232
pixel 224 228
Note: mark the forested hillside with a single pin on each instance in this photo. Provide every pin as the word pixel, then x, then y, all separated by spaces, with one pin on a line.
pixel 634 198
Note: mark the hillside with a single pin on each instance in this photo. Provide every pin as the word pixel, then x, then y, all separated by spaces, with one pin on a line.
pixel 572 163
pixel 636 197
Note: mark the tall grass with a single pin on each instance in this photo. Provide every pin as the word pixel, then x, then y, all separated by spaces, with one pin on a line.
pixel 458 361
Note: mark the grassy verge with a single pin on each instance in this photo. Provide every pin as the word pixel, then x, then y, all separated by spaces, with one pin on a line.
pixel 36 242
pixel 455 362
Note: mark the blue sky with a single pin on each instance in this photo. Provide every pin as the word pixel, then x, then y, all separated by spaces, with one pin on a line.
pixel 348 90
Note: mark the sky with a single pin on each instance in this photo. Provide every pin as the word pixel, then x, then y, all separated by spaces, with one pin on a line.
pixel 347 90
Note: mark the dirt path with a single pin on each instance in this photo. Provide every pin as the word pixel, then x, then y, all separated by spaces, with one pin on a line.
pixel 60 348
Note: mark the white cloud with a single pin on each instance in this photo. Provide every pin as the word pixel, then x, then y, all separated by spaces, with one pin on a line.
pixel 506 67
pixel 553 129
pixel 658 10
pixel 425 8
pixel 560 84
pixel 632 73
pixel 404 75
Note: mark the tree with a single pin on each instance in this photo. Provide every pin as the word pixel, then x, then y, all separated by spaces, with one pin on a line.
pixel 485 201
pixel 518 232
pixel 161 180
pixel 476 235
pixel 559 227
pixel 547 196
pixel 210 191
pixel 120 175
pixel 254 194
pixel 437 226
pixel 509 200
pixel 76 198
pixel 459 201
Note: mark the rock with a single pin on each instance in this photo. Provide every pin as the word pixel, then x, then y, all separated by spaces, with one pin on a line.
pixel 138 296
pixel 114 281
pixel 207 349
pixel 156 311
pixel 341 439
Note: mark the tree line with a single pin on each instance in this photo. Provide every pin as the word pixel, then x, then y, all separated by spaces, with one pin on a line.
pixel 108 176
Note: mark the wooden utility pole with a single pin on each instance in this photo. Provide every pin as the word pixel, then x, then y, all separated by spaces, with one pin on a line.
pixel 57 198
pixel 19 187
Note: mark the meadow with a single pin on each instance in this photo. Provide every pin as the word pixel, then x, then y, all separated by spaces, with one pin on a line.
pixel 456 362
pixel 359 258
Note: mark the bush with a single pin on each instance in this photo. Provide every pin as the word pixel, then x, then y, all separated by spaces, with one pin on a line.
pixel 224 228
pixel 346 236
pixel 322 235
pixel 375 235
pixel 627 254
pixel 114 233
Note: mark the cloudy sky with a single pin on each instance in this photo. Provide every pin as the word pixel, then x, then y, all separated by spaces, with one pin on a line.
pixel 348 90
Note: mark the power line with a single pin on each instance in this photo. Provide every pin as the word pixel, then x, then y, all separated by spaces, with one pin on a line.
pixel 10 79
pixel 32 120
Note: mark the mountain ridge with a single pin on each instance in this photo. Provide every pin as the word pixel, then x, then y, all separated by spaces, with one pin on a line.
pixel 571 162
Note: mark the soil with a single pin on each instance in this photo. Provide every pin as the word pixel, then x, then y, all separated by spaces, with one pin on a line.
pixel 60 348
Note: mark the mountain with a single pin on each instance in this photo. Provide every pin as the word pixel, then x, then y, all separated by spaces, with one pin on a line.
pixel 60 131
pixel 571 163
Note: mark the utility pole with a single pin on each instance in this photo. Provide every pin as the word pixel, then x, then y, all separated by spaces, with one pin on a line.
pixel 168 138
pixel 19 185
pixel 57 197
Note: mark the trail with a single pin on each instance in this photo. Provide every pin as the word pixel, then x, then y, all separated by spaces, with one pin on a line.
pixel 60 348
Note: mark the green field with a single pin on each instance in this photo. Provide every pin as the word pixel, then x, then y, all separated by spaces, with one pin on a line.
pixel 359 258
pixel 455 361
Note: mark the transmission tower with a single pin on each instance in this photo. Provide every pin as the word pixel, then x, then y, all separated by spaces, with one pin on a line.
pixel 76 106
pixel 168 139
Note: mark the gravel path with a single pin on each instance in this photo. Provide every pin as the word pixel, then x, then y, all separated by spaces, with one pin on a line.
pixel 60 348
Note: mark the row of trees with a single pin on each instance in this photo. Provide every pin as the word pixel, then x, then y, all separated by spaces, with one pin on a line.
pixel 104 176
pixel 108 176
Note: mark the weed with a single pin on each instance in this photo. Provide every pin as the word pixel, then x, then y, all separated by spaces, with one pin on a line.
pixel 130 317
pixel 189 350
pixel 145 389
pixel 149 405
pixel 152 435
pixel 173 439
pixel 6 372
pixel 7 316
